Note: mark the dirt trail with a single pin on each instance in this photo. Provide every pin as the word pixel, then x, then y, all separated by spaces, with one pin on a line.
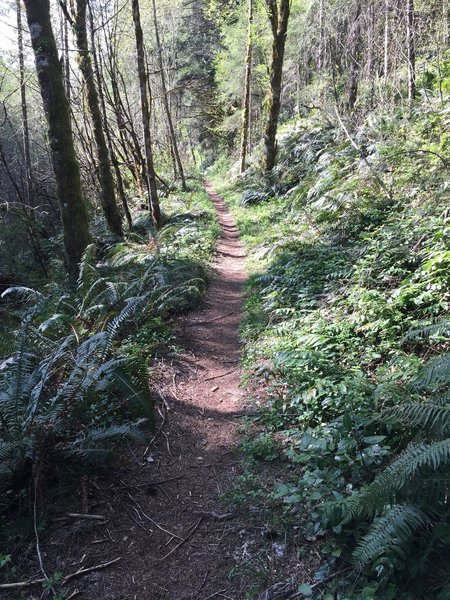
pixel 165 516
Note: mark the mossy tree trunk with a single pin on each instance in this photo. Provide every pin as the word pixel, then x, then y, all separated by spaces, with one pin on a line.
pixel 354 45
pixel 108 195
pixel 246 98
pixel 65 164
pixel 149 175
pixel 115 163
pixel 279 18
pixel 165 99
pixel 24 110
pixel 411 49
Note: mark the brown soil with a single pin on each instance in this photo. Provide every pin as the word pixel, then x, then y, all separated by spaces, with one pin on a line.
pixel 164 513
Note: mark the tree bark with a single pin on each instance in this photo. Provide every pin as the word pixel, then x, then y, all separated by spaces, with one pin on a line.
pixel 150 176
pixel 24 109
pixel 279 18
pixel 386 42
pixel 65 164
pixel 246 97
pixel 66 59
pixel 165 98
pixel 354 44
pixel 113 157
pixel 411 49
pixel 108 195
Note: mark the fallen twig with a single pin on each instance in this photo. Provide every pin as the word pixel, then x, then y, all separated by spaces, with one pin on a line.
pixel 86 516
pixel 32 582
pixel 183 541
pixel 219 593
pixel 221 375
pixel 150 483
pixel 195 594
pixel 90 569
pixel 212 320
pixel 215 515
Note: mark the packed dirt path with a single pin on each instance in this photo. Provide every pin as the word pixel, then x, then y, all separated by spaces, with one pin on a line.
pixel 165 516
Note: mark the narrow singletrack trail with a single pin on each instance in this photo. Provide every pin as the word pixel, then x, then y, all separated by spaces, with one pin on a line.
pixel 166 517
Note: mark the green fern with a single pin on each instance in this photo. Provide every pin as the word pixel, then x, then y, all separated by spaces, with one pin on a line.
pixel 390 533
pixel 418 459
pixel 421 415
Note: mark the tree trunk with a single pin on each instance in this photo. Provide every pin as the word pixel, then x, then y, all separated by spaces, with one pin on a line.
pixel 411 50
pixel 150 176
pixel 66 58
pixel 108 195
pixel 172 133
pixel 67 173
pixel 246 98
pixel 24 108
pixel 279 23
pixel 114 161
pixel 386 42
pixel 354 44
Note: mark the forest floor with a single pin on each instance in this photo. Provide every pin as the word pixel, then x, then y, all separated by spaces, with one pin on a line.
pixel 162 517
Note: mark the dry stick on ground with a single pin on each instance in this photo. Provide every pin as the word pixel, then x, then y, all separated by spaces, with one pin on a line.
pixel 86 516
pixel 194 595
pixel 214 515
pixel 212 320
pixel 183 541
pixel 221 375
pixel 219 593
pixel 26 584
pixel 150 483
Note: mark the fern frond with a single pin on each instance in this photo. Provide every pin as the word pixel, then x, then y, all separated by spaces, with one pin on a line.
pixel 392 532
pixel 420 415
pixel 386 486
pixel 99 441
pixel 88 272
pixel 440 328
pixel 436 372
pixel 25 294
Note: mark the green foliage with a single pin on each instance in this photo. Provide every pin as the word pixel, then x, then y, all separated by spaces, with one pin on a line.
pixel 77 382
pixel 348 333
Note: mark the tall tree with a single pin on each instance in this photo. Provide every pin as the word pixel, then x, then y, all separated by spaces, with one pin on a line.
pixel 354 44
pixel 278 11
pixel 149 175
pixel 246 97
pixel 108 196
pixel 24 108
pixel 165 99
pixel 386 41
pixel 65 164
pixel 112 154
pixel 411 49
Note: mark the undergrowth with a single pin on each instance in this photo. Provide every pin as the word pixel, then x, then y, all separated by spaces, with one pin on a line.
pixel 78 380
pixel 347 332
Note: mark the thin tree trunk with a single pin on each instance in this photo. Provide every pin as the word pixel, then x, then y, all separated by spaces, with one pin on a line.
pixel 165 98
pixel 66 59
pixel 246 97
pixel 354 44
pixel 411 50
pixel 65 164
pixel 321 35
pixel 445 27
pixel 108 196
pixel 24 108
pixel 150 176
pixel 386 42
pixel 114 161
pixel 279 22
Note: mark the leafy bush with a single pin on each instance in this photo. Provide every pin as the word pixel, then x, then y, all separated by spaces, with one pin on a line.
pixel 348 332
pixel 77 382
